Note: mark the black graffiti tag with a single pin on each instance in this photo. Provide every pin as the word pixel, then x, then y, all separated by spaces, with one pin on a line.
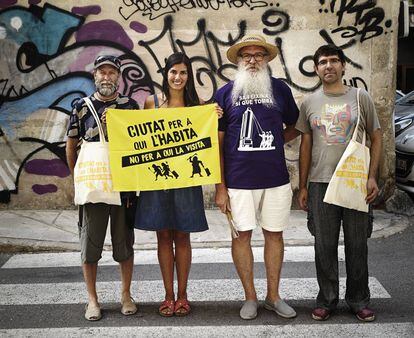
pixel 277 20
pixel 211 64
pixel 155 9
pixel 368 19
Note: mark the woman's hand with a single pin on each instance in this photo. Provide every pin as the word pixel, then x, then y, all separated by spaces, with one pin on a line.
pixel 219 111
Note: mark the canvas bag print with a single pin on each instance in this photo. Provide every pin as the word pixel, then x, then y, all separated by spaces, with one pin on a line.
pixel 92 174
pixel 348 185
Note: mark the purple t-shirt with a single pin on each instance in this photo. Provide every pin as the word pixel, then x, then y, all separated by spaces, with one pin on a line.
pixel 254 156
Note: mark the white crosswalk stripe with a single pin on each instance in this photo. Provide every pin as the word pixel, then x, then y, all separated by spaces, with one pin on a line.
pixel 151 291
pixel 49 294
pixel 199 255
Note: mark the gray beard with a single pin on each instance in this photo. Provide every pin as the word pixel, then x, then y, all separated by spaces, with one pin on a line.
pixel 105 90
pixel 246 83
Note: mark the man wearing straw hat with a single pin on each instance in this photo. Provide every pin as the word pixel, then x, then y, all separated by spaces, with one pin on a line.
pixel 255 184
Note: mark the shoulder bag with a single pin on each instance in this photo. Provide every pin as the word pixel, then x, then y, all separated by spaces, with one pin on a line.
pixel 92 174
pixel 348 185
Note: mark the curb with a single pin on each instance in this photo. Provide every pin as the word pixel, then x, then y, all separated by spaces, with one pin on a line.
pixel 397 224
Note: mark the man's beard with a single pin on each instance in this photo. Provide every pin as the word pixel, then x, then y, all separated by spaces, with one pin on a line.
pixel 256 83
pixel 106 89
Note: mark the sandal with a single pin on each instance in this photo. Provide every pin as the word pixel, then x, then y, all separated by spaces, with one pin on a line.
pixel 128 307
pixel 182 308
pixel 166 308
pixel 92 313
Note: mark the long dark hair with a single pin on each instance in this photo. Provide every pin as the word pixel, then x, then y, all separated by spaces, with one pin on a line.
pixel 190 95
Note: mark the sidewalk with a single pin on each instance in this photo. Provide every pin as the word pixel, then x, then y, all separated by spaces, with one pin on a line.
pixel 56 230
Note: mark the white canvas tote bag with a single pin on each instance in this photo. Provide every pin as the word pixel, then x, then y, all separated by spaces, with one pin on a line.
pixel 348 185
pixel 92 174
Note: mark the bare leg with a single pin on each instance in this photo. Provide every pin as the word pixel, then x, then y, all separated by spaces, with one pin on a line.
pixel 166 260
pixel 127 267
pixel 273 257
pixel 89 274
pixel 243 260
pixel 182 261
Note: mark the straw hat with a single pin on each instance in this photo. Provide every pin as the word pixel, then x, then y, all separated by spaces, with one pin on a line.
pixel 251 40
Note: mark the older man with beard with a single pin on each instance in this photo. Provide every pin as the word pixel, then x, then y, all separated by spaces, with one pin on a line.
pixel 93 217
pixel 255 184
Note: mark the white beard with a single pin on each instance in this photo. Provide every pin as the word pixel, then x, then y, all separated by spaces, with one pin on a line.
pixel 247 83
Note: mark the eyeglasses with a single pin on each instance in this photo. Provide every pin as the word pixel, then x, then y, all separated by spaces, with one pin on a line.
pixel 110 58
pixel 333 62
pixel 258 56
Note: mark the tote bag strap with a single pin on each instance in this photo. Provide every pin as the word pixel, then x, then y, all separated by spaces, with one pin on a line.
pixel 354 136
pixel 96 117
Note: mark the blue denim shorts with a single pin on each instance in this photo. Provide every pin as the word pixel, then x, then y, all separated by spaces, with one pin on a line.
pixel 174 209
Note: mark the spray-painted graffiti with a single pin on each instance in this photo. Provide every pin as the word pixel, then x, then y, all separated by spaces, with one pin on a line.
pixel 213 64
pixel 45 75
pixel 368 22
pixel 154 9
pixel 47 53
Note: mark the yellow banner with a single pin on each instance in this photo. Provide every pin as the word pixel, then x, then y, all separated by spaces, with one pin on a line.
pixel 164 148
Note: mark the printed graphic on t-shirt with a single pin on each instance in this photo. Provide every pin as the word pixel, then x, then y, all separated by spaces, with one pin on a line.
pixel 249 127
pixel 334 123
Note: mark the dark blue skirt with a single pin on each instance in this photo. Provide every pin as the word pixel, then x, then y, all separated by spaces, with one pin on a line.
pixel 174 209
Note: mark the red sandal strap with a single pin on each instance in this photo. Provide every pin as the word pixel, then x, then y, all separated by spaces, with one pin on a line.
pixel 167 304
pixel 182 304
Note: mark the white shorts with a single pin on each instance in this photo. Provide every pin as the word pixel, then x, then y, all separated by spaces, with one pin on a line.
pixel 269 208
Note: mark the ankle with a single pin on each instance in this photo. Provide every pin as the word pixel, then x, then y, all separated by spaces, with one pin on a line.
pixel 252 296
pixel 126 295
pixel 273 298
pixel 182 295
pixel 169 296
pixel 93 300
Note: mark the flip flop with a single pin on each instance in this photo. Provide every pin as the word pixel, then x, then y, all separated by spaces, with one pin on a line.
pixel 92 313
pixel 166 308
pixel 128 307
pixel 182 308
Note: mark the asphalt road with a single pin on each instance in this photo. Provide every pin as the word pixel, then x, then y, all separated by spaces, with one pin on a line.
pixel 48 298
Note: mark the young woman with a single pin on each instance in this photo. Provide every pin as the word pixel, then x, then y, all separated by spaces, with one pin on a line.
pixel 174 213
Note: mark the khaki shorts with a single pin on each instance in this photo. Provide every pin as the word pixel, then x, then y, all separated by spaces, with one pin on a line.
pixel 93 221
pixel 268 208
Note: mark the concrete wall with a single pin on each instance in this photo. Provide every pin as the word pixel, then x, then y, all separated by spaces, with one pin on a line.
pixel 47 49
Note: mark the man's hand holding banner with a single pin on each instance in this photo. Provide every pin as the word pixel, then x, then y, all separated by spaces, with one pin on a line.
pixel 163 148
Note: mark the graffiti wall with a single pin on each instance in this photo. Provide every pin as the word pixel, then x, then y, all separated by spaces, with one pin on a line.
pixel 47 50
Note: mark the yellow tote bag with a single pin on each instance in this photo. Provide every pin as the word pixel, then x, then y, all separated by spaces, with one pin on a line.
pixel 348 185
pixel 92 174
